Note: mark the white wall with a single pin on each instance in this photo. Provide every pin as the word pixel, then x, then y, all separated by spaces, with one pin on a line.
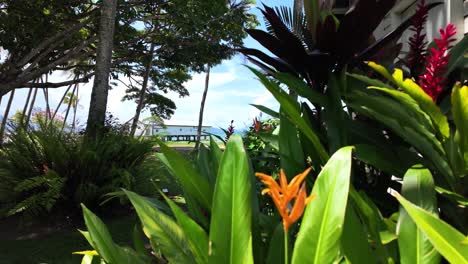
pixel 176 130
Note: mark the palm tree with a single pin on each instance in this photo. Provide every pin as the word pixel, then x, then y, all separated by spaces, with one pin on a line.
pixel 202 105
pixel 71 100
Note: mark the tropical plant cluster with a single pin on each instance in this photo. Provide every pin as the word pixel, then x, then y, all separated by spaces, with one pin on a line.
pixel 47 171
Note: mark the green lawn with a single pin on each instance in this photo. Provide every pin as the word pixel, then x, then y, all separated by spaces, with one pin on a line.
pixel 186 144
pixel 57 248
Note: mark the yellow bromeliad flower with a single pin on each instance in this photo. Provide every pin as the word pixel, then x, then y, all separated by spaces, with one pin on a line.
pixel 283 194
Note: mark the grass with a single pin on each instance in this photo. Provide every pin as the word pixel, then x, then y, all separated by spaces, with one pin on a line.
pixel 187 144
pixel 57 248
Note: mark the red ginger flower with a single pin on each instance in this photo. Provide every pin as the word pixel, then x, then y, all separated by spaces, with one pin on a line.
pixel 418 42
pixel 257 125
pixel 433 80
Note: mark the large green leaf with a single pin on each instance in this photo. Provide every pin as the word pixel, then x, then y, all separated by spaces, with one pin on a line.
pixel 334 115
pixel 102 241
pixel 446 239
pixel 193 183
pixel 400 119
pixel 196 236
pixel 318 240
pixel 457 55
pixel 289 106
pixel 266 110
pixel 371 218
pixel 427 104
pixel 354 241
pixel 276 246
pixel 205 165
pixel 460 117
pixel 230 228
pixel 162 231
pixel 384 160
pixel 290 149
pixel 418 187
pixel 301 88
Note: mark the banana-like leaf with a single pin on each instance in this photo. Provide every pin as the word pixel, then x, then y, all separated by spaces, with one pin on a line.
pixel 87 256
pixel 276 246
pixel 318 240
pixel 103 244
pixel 446 239
pixel 231 219
pixel 290 149
pixel 205 166
pixel 460 117
pixel 334 114
pixel 401 120
pixel 138 242
pixel 301 88
pixel 457 55
pixel 196 236
pixel 289 106
pixel 266 110
pixel 415 247
pixel 162 231
pixel 193 183
pixel 371 218
pixel 354 241
pixel 455 197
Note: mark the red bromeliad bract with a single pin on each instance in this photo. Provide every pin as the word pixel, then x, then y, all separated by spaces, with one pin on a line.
pixel 432 81
pixel 418 42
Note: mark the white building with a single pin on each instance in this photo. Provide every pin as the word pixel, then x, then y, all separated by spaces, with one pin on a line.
pixel 450 11
pixel 177 132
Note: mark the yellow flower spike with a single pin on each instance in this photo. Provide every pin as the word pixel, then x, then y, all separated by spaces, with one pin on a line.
pixel 283 194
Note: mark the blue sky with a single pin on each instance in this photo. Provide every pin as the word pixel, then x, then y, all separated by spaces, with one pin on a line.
pixel 232 89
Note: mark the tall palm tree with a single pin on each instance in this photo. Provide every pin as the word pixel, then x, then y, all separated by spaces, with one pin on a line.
pixel 202 105
pixel 72 99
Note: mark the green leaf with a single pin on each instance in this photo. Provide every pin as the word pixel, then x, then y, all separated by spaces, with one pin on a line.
pixel 276 246
pixel 460 117
pixel 301 88
pixel 289 106
pixel 382 71
pixel 162 231
pixel 266 110
pixel 369 81
pixel 196 236
pixel 193 183
pixel 334 115
pixel 418 187
pixel 231 219
pixel 384 160
pixel 446 239
pixel 138 242
pixel 205 166
pixel 426 104
pixel 312 14
pixel 102 241
pixel 354 241
pixel 372 220
pixel 457 55
pixel 318 240
pixel 401 120
pixel 290 149
pixel 455 197
pixel 216 155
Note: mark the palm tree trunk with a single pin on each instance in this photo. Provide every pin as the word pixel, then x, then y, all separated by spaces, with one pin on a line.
pixel 31 107
pixel 202 105
pixel 25 108
pixel 144 86
pixel 98 104
pixel 5 117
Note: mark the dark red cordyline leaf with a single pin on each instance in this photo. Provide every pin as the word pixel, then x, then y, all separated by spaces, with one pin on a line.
pixel 418 42
pixel 433 80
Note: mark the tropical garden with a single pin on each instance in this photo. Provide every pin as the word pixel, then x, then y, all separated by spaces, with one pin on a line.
pixel 365 161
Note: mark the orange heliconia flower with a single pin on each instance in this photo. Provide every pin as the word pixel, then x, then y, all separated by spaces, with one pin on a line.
pixel 283 194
